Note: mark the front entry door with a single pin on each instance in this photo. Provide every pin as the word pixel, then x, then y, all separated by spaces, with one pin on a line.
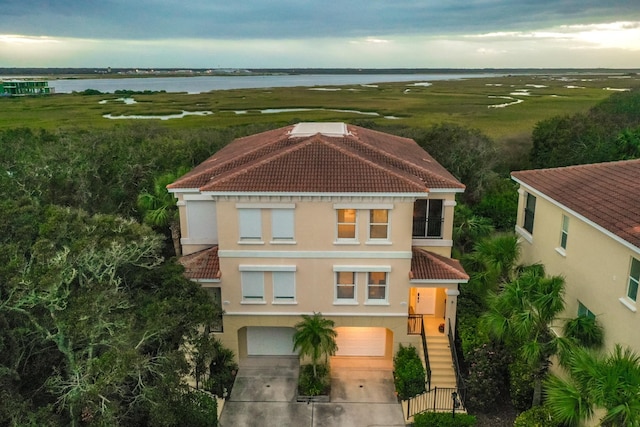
pixel 426 301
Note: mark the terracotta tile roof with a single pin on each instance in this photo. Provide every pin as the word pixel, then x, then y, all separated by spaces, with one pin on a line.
pixel 426 265
pixel 362 161
pixel 606 193
pixel 203 264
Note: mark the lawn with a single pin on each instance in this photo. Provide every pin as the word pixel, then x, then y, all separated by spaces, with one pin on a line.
pixel 466 102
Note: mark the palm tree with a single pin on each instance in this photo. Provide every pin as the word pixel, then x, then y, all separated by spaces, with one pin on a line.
pixel 494 261
pixel 315 337
pixel 608 382
pixel 159 207
pixel 585 331
pixel 469 228
pixel 520 315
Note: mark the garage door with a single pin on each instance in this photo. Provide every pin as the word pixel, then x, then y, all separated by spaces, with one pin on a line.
pixel 360 341
pixel 270 341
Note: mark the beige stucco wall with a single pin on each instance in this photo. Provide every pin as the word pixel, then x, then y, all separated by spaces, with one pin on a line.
pixel 315 223
pixel 314 253
pixel 234 336
pixel 315 283
pixel 595 267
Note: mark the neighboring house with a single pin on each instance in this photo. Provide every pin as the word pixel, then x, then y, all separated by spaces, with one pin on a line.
pixel 321 217
pixel 583 222
pixel 24 87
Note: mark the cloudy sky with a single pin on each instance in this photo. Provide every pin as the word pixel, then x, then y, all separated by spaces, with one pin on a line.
pixel 320 33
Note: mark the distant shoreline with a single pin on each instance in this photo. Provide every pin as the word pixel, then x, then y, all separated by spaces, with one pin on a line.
pixel 112 73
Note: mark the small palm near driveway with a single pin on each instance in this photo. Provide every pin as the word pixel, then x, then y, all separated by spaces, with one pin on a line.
pixel 265 389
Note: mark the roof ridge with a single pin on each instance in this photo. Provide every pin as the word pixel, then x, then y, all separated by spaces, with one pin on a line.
pixel 266 160
pixel 411 165
pixel 329 142
pixel 389 168
pixel 581 166
pixel 248 153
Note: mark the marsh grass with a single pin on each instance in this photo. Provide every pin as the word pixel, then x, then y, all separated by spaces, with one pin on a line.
pixel 465 102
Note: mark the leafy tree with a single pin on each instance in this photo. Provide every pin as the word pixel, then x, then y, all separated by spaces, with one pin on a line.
pixel 315 337
pixel 520 315
pixel 604 133
pixel 467 153
pixel 97 322
pixel 500 204
pixel 609 382
pixel 628 144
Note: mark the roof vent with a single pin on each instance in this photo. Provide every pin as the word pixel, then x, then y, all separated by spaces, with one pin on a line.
pixel 327 129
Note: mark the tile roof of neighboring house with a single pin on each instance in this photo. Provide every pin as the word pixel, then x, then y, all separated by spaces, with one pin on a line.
pixel 606 193
pixel 426 265
pixel 203 264
pixel 358 161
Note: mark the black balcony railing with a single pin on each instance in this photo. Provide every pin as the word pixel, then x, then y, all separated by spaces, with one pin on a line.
pixel 427 228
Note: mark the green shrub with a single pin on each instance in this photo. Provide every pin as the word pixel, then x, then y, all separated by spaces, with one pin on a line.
pixel 538 416
pixel 222 371
pixel 488 375
pixel 409 374
pixel 585 330
pixel 308 385
pixel 443 419
pixel 521 381
pixel 198 409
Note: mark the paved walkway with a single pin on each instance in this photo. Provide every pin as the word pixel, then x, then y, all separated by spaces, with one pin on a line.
pixel 362 394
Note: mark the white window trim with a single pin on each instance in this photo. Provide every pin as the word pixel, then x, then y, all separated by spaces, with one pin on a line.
pixel 363 206
pixel 265 205
pixel 524 234
pixel 385 301
pixel 563 232
pixel 243 239
pixel 345 301
pixel 635 279
pixel 379 241
pixel 276 225
pixel 524 211
pixel 363 268
pixel 265 268
pixel 347 240
pixel 628 303
pixel 246 300
pixel 561 251
pixel 282 300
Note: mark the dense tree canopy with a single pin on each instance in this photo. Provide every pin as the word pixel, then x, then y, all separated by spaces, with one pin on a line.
pixel 96 321
pixel 94 316
pixel 609 131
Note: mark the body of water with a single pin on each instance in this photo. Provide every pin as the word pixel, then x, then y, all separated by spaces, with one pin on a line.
pixel 208 83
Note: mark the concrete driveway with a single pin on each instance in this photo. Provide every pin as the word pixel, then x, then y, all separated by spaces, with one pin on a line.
pixel 264 393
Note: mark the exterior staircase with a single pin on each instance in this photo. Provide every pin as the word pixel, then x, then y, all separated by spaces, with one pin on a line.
pixel 439 396
pixel 442 371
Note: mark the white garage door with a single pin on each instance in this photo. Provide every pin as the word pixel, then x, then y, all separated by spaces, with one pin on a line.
pixel 270 341
pixel 353 341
